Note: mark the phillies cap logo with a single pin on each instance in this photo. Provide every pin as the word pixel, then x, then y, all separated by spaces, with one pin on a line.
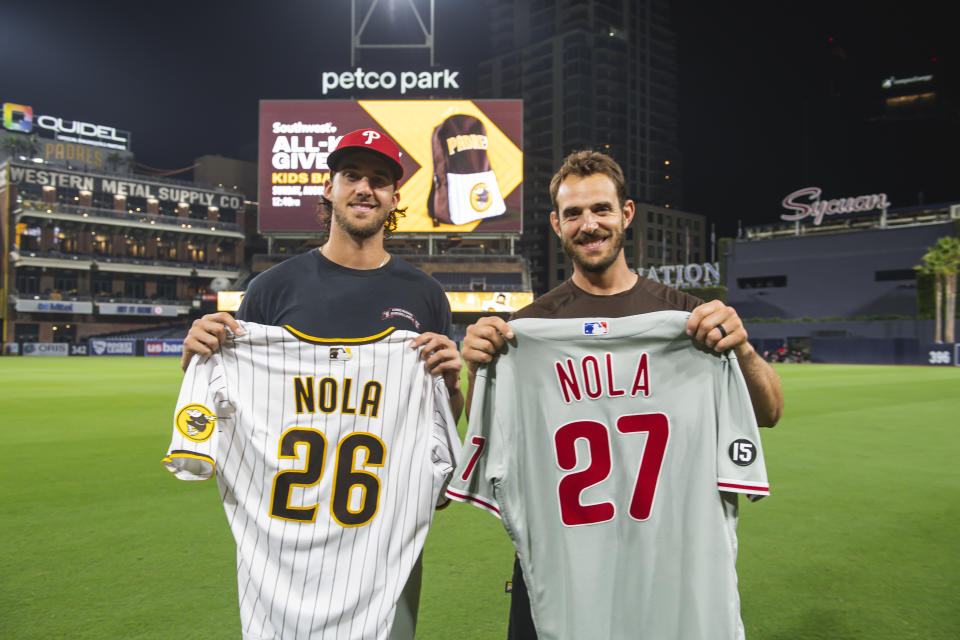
pixel 371 135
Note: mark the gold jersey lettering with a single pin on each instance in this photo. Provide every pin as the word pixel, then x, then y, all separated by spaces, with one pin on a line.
pixel 467 142
pixel 328 396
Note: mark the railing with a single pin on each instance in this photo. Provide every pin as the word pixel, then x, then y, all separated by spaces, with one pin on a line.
pixel 488 287
pixel 859 221
pixel 59 255
pixel 120 174
pixel 140 216
pixel 55 296
pixel 411 255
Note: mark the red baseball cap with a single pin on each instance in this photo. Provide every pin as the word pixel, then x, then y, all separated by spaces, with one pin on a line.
pixel 368 140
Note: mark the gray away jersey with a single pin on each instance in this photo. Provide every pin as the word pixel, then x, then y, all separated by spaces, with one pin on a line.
pixel 613 451
pixel 330 460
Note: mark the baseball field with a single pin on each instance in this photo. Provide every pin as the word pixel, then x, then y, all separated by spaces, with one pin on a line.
pixel 859 539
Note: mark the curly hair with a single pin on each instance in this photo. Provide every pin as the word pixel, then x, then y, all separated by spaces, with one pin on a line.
pixel 587 163
pixel 325 214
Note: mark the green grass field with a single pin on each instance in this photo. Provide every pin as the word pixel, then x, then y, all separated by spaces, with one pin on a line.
pixel 858 540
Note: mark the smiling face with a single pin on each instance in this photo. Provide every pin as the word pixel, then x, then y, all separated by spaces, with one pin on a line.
pixel 362 194
pixel 590 221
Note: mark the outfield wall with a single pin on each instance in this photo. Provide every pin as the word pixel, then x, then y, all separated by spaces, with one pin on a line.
pixel 918 329
pixel 97 347
pixel 862 273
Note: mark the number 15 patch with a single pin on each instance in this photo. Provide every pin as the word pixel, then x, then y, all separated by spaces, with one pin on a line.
pixel 742 452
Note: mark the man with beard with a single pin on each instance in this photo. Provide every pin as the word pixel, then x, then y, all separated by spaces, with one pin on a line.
pixel 590 215
pixel 351 289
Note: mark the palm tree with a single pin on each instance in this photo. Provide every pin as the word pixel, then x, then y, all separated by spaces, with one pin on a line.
pixel 18 145
pixel 942 261
pixel 931 265
pixel 949 250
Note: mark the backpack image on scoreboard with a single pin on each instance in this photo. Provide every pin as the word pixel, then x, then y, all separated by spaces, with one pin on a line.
pixel 464 187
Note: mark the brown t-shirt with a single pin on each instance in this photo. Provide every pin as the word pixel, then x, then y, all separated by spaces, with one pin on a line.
pixel 570 301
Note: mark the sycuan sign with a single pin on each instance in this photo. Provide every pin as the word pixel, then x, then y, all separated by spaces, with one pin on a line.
pixel 806 203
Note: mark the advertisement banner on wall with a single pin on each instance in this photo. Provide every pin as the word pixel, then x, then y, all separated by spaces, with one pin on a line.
pixel 115 309
pixel 462 161
pixel 43 176
pixel 46 349
pixel 229 300
pixel 162 348
pixel 113 347
pixel 488 301
pixel 54 306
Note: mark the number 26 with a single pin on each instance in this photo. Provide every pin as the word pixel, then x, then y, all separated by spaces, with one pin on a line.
pixel 346 479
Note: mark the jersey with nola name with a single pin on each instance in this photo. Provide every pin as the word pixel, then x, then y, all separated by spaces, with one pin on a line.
pixel 613 450
pixel 321 298
pixel 330 459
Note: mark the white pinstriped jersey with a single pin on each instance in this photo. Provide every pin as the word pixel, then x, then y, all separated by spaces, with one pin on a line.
pixel 330 459
pixel 613 450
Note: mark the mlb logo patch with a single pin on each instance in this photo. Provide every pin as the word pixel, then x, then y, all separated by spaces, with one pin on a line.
pixel 595 328
pixel 339 353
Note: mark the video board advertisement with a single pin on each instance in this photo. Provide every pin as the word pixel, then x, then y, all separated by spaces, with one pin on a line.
pixel 460 301
pixel 462 161
pixel 488 301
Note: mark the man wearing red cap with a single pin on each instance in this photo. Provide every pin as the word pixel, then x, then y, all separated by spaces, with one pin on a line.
pixel 350 287
pixel 352 290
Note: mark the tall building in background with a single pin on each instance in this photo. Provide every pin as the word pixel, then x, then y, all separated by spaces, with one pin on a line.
pixel 599 74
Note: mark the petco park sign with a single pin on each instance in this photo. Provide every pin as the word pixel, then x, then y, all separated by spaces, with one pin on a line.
pixel 806 203
pixel 360 80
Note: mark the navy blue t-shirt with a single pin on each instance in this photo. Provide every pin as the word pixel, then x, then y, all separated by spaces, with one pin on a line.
pixel 326 300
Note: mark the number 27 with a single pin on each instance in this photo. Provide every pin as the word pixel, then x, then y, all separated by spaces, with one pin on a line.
pixel 572 511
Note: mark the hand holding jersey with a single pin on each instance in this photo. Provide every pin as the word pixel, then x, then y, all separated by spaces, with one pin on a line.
pixel 614 486
pixel 330 457
pixel 591 213
pixel 348 289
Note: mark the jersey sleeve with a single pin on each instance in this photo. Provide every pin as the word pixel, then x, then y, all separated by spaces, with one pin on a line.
pixel 445 451
pixel 740 464
pixel 481 464
pixel 201 408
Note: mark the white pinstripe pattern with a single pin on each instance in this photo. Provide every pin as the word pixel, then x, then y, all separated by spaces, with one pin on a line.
pixel 319 579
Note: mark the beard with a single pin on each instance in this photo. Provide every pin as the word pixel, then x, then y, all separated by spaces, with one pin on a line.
pixel 595 263
pixel 364 229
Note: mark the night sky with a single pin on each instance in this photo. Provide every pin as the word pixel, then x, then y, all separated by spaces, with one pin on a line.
pixel 768 104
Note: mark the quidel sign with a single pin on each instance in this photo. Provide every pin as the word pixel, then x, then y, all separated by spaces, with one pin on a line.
pixel 21 117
